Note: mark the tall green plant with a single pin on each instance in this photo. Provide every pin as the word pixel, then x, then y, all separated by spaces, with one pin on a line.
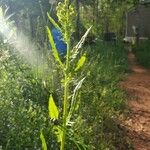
pixel 67 18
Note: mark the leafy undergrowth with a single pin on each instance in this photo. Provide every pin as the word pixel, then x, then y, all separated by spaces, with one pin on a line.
pixel 102 99
pixel 23 102
pixel 142 52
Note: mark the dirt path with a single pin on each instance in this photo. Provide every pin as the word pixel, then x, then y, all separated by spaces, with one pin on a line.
pixel 137 124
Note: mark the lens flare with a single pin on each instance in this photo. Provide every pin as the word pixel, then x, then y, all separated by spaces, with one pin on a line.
pixel 18 40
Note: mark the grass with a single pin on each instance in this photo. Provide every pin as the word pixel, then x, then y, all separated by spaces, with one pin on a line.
pixel 101 101
pixel 22 102
pixel 80 117
pixel 101 98
pixel 142 52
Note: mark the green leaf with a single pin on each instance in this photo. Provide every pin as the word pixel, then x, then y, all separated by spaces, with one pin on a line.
pixel 53 22
pixel 80 62
pixel 58 132
pixel 44 146
pixel 54 49
pixel 53 110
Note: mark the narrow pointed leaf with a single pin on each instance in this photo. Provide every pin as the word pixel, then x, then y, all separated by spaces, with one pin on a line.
pixel 81 42
pixel 53 110
pixel 75 101
pixel 54 49
pixel 80 62
pixel 53 22
pixel 44 145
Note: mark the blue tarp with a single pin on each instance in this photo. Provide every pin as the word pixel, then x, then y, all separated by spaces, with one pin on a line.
pixel 58 39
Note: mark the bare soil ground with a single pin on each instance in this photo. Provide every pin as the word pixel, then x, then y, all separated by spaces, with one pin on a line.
pixel 137 123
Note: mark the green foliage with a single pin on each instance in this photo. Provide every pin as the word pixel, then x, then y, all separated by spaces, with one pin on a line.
pixel 81 62
pixel 53 110
pixel 66 16
pixel 101 98
pixel 142 52
pixel 91 108
pixel 44 145
pixel 75 101
pixel 85 98
pixel 22 101
pixel 54 50
pixel 104 15
pixel 53 22
pixel 20 124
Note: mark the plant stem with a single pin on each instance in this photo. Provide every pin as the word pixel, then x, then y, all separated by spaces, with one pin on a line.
pixel 66 95
pixel 66 82
pixel 65 112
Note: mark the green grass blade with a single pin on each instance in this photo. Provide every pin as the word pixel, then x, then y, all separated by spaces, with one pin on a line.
pixel 53 110
pixel 54 49
pixel 44 145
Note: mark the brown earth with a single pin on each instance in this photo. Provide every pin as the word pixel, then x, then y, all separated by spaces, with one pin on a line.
pixel 137 123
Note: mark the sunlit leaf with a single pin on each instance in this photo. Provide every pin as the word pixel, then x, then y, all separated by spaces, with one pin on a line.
pixel 75 102
pixel 53 110
pixel 80 62
pixel 53 22
pixel 54 49
pixel 80 44
pixel 44 145
pixel 58 132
